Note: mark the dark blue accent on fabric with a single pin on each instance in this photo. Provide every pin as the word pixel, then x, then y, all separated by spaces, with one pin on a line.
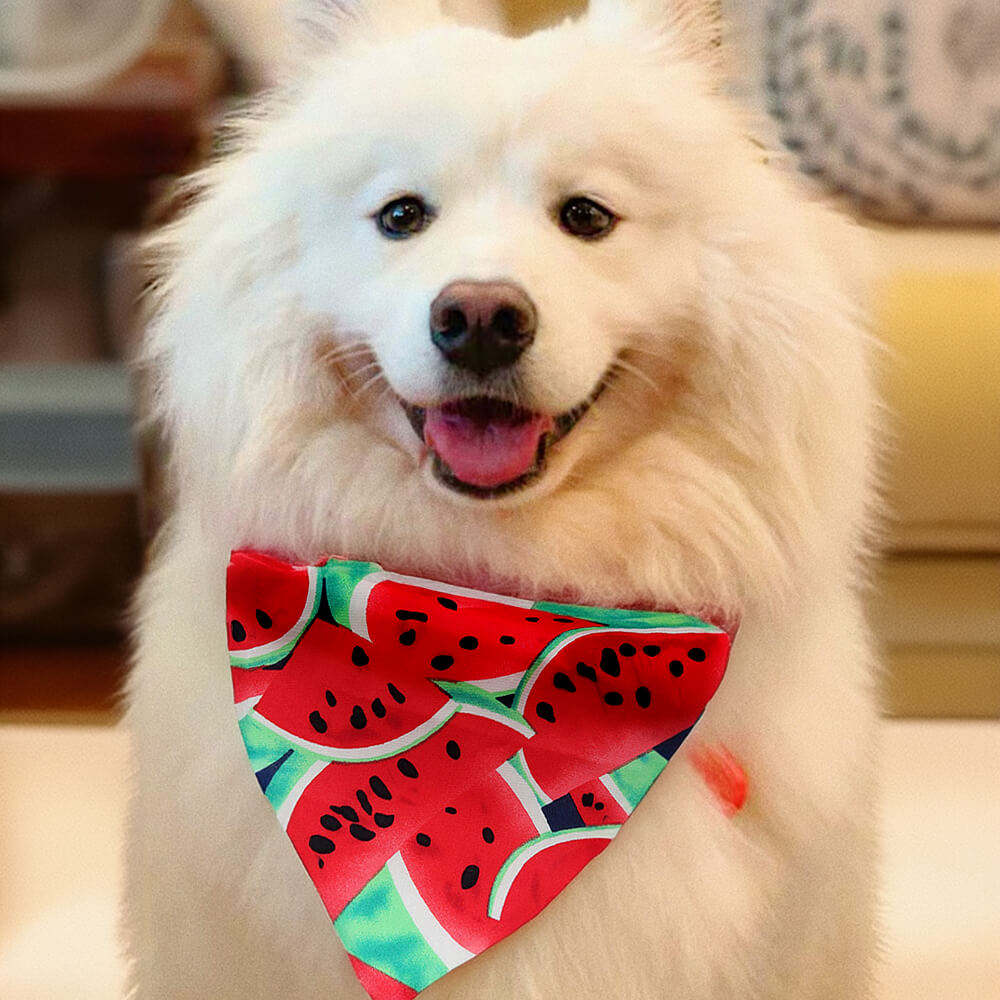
pixel 324 614
pixel 507 699
pixel 265 774
pixel 562 814
pixel 668 748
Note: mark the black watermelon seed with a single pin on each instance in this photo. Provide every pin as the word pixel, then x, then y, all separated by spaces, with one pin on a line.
pixel 643 697
pixel 447 602
pixel 319 861
pixel 321 845
pixel 587 799
pixel 263 618
pixel 378 786
pixel 676 668
pixel 613 698
pixel 378 709
pixel 358 718
pixel 383 820
pixel 442 662
pixel 468 642
pixel 330 823
pixel 397 695
pixel 317 722
pixel 599 806
pixel 238 632
pixel 470 876
pixel 453 750
pixel 450 810
pixel 347 812
pixel 567 620
pixel 532 619
pixel 411 616
pixel 563 682
pixel 331 700
pixel 365 801
pixel 545 711
pixel 626 649
pixel 507 640
pixel 408 638
pixel 697 654
pixel 359 832
pixel 406 768
pixel 651 650
pixel 359 657
pixel 584 671
pixel 423 840
pixel 609 663
pixel 488 835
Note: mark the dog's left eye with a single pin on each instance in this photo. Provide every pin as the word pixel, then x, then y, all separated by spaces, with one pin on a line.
pixel 585 218
pixel 403 217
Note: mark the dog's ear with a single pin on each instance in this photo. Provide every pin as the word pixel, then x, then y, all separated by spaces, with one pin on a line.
pixel 317 26
pixel 689 28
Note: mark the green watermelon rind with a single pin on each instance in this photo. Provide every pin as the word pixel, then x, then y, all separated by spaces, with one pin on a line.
pixel 377 916
pixel 556 646
pixel 264 747
pixel 343 577
pixel 277 649
pixel 520 767
pixel 514 864
pixel 389 911
pixel 634 779
pixel 625 618
pixel 373 752
pixel 473 700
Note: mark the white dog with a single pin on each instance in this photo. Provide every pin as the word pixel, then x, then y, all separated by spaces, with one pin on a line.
pixel 383 331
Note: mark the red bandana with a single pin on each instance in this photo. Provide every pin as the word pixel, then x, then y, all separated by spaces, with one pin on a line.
pixel 445 761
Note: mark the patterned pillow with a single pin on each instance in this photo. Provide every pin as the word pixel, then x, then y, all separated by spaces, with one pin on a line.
pixel 895 102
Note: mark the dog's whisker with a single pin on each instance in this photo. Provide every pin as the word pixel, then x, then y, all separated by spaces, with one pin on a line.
pixel 365 375
pixel 344 352
pixel 625 366
pixel 377 379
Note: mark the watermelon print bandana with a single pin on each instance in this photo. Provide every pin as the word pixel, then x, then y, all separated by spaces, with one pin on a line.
pixel 446 761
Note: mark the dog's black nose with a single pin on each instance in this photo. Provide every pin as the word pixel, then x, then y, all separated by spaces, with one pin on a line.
pixel 482 325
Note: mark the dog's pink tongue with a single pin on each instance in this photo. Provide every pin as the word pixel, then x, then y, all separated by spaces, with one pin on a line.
pixel 485 453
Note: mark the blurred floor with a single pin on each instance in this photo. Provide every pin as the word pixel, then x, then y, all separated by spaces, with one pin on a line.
pixel 64 787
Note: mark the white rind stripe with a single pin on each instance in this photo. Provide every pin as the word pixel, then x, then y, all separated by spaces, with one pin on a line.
pixel 525 795
pixel 446 588
pixel 358 613
pixel 484 713
pixel 243 655
pixel 284 812
pixel 503 887
pixel 442 943
pixel 377 751
pixel 498 685
pixel 616 793
pixel 244 708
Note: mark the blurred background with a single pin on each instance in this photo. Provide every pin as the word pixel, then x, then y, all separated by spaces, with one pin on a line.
pixel 891 106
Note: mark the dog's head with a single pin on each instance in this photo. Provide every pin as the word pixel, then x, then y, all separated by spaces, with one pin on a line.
pixel 454 292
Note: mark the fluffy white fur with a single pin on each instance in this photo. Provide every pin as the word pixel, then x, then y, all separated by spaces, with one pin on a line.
pixel 727 466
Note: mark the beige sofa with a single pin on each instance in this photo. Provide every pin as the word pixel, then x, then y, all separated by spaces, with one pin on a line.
pixel 937 309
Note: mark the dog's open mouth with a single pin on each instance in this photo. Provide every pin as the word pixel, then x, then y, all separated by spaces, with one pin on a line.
pixel 486 447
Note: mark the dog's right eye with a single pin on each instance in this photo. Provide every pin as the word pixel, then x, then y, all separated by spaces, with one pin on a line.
pixel 403 217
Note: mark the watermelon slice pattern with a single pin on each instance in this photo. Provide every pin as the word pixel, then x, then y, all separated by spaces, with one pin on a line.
pixel 446 761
